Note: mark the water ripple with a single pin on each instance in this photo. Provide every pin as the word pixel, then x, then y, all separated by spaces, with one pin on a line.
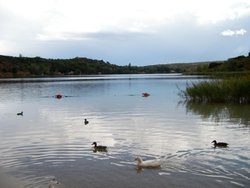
pixel 51 141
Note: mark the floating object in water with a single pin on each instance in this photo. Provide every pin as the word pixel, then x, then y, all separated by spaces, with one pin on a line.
pixel 99 148
pixel 147 163
pixel 145 94
pixel 219 144
pixel 20 113
pixel 86 122
pixel 58 96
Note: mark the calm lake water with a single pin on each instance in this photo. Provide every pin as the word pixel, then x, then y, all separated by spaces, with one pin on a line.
pixel 50 143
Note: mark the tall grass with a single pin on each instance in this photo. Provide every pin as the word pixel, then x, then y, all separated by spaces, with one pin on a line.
pixel 229 90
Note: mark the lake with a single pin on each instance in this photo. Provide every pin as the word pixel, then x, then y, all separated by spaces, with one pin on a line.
pixel 50 146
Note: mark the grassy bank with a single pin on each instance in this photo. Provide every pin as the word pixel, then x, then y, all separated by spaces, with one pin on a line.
pixel 227 90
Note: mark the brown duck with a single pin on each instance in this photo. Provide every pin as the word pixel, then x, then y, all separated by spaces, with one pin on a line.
pixel 99 148
pixel 219 144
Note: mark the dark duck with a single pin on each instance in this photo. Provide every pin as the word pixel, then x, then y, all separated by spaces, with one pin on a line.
pixel 20 113
pixel 219 144
pixel 99 148
pixel 86 122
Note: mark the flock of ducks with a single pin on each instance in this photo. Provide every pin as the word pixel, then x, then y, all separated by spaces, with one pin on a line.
pixel 152 163
pixel 140 162
pixel 157 163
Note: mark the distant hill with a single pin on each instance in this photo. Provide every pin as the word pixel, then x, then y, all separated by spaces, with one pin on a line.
pixel 36 66
pixel 240 63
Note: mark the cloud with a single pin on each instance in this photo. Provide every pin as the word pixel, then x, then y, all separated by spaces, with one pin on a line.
pixel 83 36
pixel 57 18
pixel 230 33
pixel 136 31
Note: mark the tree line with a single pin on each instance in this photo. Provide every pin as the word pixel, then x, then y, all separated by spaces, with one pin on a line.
pixel 36 66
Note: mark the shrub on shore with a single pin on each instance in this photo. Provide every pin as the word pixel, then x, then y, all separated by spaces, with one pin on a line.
pixel 229 90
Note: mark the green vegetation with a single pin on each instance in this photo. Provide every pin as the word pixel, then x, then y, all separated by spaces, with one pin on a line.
pixel 238 64
pixel 228 90
pixel 231 83
pixel 27 66
pixel 37 66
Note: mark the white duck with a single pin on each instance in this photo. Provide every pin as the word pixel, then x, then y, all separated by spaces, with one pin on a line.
pixel 147 163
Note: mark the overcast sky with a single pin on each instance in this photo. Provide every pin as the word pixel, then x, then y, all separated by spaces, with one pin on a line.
pixel 140 32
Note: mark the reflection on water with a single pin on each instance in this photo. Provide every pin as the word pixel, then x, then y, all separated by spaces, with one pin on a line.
pixel 50 143
pixel 238 114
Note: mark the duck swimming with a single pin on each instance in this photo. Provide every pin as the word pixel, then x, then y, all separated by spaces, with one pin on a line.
pixel 20 113
pixel 219 144
pixel 148 163
pixel 99 148
pixel 86 122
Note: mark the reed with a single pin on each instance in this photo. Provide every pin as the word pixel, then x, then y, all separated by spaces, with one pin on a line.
pixel 227 90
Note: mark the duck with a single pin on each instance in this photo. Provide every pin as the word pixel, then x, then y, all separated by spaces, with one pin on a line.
pixel 99 148
pixel 219 144
pixel 20 113
pixel 86 122
pixel 147 163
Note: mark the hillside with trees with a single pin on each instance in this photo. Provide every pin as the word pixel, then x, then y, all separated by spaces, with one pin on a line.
pixel 37 66
pixel 240 63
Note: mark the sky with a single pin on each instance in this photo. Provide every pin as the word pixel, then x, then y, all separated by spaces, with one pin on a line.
pixel 140 32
